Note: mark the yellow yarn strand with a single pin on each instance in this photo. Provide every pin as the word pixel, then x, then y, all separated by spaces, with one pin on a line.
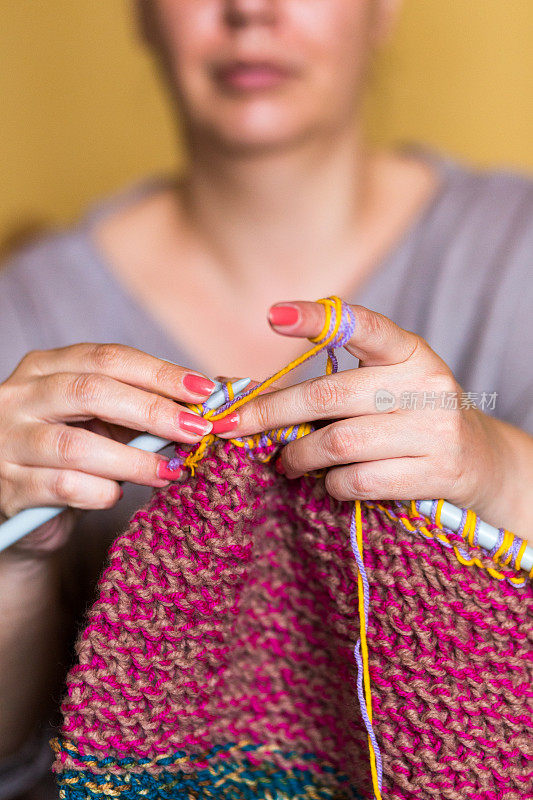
pixel 469 528
pixel 329 304
pixel 364 647
pixel 506 543
pixel 408 525
pixel 196 455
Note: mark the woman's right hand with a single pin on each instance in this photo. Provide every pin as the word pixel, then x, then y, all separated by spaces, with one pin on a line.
pixel 65 418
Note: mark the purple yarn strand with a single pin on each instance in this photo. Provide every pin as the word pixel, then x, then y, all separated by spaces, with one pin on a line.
pixel 515 547
pixel 357 649
pixel 226 393
pixel 475 538
pixel 334 362
pixel 460 530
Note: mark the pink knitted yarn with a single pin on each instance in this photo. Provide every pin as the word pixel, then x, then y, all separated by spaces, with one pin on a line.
pixel 217 659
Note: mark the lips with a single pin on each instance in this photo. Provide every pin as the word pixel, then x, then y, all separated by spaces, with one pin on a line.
pixel 252 75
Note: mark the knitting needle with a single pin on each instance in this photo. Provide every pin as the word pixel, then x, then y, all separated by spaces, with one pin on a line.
pixel 450 517
pixel 217 398
pixel 26 521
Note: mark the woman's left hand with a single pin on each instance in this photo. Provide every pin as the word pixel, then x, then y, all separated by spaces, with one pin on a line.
pixel 402 428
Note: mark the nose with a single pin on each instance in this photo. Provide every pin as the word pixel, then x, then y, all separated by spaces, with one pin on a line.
pixel 245 12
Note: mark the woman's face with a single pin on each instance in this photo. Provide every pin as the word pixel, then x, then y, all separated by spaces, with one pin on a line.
pixel 262 73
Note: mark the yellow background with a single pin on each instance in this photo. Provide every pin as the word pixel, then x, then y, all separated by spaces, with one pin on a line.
pixel 82 113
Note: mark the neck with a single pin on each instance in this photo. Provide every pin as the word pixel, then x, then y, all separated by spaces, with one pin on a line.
pixel 278 214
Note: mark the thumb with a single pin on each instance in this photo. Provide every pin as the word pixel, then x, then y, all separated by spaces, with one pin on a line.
pixel 376 339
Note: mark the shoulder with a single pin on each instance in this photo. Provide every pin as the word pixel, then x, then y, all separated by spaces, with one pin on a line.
pixel 477 240
pixel 476 233
pixel 48 256
pixel 493 208
pixel 44 271
pixel 37 260
pixel 33 282
pixel 463 280
pixel 491 182
pixel 61 289
pixel 496 231
pixel 485 234
pixel 487 283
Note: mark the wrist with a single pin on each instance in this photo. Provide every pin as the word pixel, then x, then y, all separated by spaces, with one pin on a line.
pixel 508 491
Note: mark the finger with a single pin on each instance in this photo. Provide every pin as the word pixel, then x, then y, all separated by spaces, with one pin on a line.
pixel 364 439
pixel 390 479
pixel 376 340
pixel 30 487
pixel 126 364
pixel 107 429
pixel 75 397
pixel 344 394
pixel 71 448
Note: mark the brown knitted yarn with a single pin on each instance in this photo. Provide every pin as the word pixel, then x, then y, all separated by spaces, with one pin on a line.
pixel 218 658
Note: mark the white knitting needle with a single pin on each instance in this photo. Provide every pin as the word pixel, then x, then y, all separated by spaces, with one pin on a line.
pixel 450 517
pixel 26 521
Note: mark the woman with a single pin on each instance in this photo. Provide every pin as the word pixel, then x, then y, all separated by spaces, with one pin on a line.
pixel 281 199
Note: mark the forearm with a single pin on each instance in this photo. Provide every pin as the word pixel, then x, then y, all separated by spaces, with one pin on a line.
pixel 30 645
pixel 508 501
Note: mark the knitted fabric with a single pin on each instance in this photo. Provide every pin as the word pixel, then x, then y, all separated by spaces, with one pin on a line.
pixel 218 657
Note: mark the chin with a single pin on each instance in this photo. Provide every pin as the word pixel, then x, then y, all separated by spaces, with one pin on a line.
pixel 258 128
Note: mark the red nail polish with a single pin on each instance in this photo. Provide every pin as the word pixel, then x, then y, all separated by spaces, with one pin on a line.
pixel 192 423
pixel 226 424
pixel 121 494
pixel 167 474
pixel 283 315
pixel 278 466
pixel 197 384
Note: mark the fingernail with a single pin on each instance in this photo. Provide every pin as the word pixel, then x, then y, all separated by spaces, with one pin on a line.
pixel 225 424
pixel 121 494
pixel 278 466
pixel 167 474
pixel 192 423
pixel 197 384
pixel 283 315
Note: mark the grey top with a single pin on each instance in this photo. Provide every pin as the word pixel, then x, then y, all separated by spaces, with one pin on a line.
pixel 461 277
